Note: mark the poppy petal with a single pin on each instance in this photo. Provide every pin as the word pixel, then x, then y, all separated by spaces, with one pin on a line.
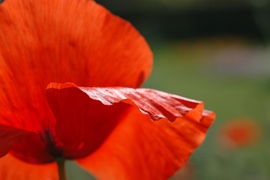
pixel 32 149
pixel 8 137
pixel 142 149
pixel 158 105
pixel 77 41
pixel 82 124
pixel 150 140
pixel 12 168
pixel 55 40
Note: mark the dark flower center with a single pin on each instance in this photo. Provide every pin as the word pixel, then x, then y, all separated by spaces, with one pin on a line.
pixel 54 146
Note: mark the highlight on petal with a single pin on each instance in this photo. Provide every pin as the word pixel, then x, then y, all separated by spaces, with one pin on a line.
pixel 152 138
pixel 158 105
pixel 12 168
pixel 9 136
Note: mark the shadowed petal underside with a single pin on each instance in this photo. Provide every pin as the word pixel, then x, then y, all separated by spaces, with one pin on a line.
pixel 8 137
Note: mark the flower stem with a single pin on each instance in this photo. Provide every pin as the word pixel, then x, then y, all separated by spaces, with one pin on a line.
pixel 61 168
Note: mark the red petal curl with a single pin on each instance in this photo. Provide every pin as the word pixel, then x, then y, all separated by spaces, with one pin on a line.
pixel 158 105
pixel 136 147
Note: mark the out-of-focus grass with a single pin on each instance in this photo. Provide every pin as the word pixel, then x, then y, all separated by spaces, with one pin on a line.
pixel 192 73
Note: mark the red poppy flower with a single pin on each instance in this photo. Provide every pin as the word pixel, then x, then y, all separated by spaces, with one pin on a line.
pixel 239 133
pixel 111 128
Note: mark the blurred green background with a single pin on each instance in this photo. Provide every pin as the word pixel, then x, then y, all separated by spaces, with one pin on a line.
pixel 218 52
